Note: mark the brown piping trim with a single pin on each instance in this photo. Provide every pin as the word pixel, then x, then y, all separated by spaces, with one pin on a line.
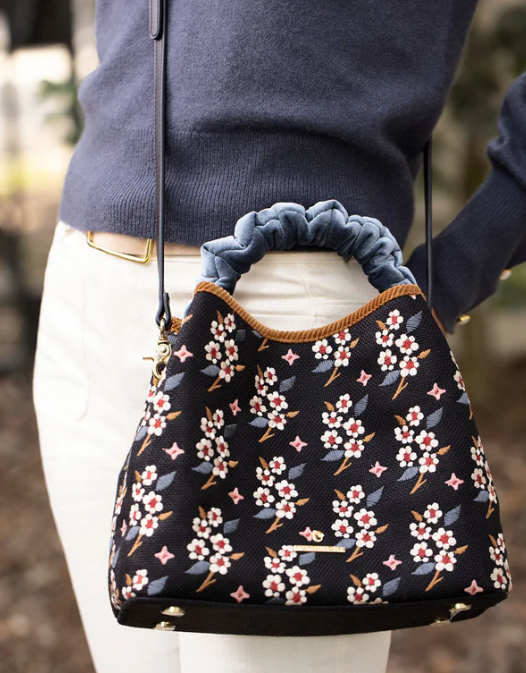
pixel 300 336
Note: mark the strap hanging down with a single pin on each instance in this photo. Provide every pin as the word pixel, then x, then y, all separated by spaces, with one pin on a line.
pixel 158 21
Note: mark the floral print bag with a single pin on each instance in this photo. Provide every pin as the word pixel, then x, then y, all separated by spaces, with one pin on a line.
pixel 298 483
pixel 312 482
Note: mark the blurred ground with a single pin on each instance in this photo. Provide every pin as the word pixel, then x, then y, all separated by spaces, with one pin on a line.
pixel 40 630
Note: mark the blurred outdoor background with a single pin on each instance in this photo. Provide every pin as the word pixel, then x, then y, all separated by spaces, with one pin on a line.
pixel 46 48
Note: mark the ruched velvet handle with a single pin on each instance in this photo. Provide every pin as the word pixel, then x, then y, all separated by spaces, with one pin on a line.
pixel 285 225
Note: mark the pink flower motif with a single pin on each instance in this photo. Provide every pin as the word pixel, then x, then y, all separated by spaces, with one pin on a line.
pixel 363 378
pixel 392 562
pixel 174 451
pixel 290 356
pixel 123 528
pixel 377 469
pixel 236 495
pixel 240 594
pixel 436 392
pixel 473 588
pixel 235 408
pixel 298 444
pixel 183 353
pixel 307 534
pixel 164 555
pixel 454 481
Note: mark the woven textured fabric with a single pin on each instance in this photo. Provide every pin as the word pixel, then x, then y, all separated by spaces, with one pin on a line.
pixel 323 481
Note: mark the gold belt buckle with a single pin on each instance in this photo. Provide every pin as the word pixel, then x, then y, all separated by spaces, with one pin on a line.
pixel 123 255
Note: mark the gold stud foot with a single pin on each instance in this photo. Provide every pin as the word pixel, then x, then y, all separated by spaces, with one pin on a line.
pixel 164 626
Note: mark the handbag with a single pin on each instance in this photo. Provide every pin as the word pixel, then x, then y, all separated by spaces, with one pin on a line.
pixel 300 483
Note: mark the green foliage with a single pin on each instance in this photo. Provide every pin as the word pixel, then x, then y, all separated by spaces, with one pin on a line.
pixel 67 93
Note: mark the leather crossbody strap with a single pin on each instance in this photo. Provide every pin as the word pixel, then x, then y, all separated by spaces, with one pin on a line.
pixel 158 20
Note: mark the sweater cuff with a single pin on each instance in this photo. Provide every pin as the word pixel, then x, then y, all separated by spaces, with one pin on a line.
pixel 470 253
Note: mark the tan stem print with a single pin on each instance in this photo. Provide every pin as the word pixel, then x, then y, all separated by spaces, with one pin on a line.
pixel 264 344
pixel 208 581
pixel 334 375
pixel 436 579
pixel 345 464
pixel 145 444
pixel 490 510
pixel 277 524
pixel 355 554
pixel 211 482
pixel 268 433
pixel 136 545
pixel 420 482
pixel 401 386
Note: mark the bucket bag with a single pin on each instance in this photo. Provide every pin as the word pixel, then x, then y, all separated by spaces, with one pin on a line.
pixel 300 483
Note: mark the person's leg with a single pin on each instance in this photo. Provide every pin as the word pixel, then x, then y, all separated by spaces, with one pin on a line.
pixel 291 290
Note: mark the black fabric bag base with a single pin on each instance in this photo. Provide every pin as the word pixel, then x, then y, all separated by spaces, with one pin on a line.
pixel 276 620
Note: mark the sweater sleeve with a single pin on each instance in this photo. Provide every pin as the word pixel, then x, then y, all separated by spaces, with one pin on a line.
pixel 489 234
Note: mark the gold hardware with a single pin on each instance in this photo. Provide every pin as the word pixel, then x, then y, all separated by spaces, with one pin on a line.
pixel 313 547
pixel 464 318
pixel 505 274
pixel 317 535
pixel 439 621
pixel 458 607
pixel 163 351
pixel 123 255
pixel 174 611
pixel 164 626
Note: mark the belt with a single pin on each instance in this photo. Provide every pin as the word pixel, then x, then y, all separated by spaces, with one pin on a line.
pixel 133 248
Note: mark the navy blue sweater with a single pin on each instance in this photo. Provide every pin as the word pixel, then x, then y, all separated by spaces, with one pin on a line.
pixel 281 100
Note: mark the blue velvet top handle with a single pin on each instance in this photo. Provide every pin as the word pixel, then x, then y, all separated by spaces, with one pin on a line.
pixel 284 225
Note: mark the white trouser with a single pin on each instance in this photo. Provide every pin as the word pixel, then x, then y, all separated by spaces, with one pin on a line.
pixel 96 324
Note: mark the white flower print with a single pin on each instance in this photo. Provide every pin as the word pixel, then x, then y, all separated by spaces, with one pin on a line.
pixel 149 475
pixel 285 509
pixel 277 465
pixel 264 476
pixel 408 366
pixel 264 497
pixel 420 530
pixel 444 539
pixel 426 440
pixel 394 320
pixel 270 375
pixel 342 508
pixel 220 468
pixel 152 502
pixel 428 462
pixel 406 344
pixel 344 403
pixel 229 322
pixel 219 564
pixel 213 351
pixel 156 425
pixel 226 370
pixel 218 330
pixel 387 360
pixel 365 538
pixel 342 528
pixel 127 592
pixel 257 406
pixel 135 514
pixel 273 586
pixel 479 478
pixel 221 544
pixel 276 420
pixel 421 551
pixel 357 595
pixel 354 427
pixel 478 456
pixel 274 564
pixel 204 449
pixel 218 418
pixel 161 402
pixel 321 349
pixel 140 579
pixel 384 338
pixel 287 552
pixel 201 527
pixel 286 490
pixel 497 555
pixel 222 447
pixel 261 385
pixel 137 491
pixel 406 456
pixel 355 494
pixel 342 337
pixel 297 576
pixel 445 560
pixel 331 438
pixel 296 596
pixel 214 517
pixel 459 380
pixel 353 448
pixel 371 582
pixel 148 524
pixel 432 513
pixel 342 357
pixel 277 401
pixel 331 419
pixel 365 518
pixel 499 579
pixel 404 434
pixel 414 416
pixel 231 350
pixel 198 550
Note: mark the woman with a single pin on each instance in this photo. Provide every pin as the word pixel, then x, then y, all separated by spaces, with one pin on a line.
pixel 265 104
